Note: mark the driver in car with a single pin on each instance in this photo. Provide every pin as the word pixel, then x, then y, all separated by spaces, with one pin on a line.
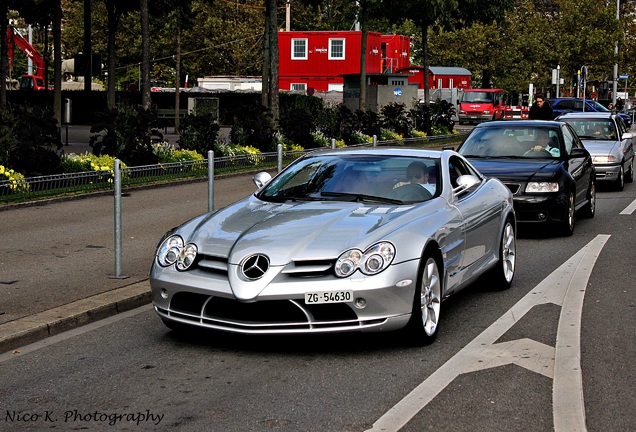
pixel 545 143
pixel 417 173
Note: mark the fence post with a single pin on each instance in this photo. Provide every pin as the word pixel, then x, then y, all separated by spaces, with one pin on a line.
pixel 280 157
pixel 118 234
pixel 210 180
pixel 375 140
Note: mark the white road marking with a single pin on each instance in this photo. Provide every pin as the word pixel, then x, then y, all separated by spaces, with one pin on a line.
pixel 629 209
pixel 565 287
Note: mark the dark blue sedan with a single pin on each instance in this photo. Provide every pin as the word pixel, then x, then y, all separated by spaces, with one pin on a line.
pixel 543 163
pixel 569 104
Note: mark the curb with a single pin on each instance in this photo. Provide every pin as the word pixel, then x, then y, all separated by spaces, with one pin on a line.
pixel 36 327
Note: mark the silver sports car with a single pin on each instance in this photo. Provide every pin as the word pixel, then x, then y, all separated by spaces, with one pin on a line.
pixel 366 239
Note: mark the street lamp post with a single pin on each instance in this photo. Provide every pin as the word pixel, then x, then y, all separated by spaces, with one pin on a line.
pixel 615 84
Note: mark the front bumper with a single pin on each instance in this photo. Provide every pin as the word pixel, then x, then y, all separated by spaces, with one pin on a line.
pixel 607 173
pixel 474 118
pixel 206 300
pixel 541 208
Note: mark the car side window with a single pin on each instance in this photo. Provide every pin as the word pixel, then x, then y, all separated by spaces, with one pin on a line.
pixel 568 139
pixel 457 168
pixel 621 126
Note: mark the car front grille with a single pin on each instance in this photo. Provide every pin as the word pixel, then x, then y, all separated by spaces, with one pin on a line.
pixel 268 316
pixel 298 268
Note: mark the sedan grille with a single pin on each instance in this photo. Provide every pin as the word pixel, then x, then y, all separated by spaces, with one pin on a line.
pixel 297 269
pixel 268 316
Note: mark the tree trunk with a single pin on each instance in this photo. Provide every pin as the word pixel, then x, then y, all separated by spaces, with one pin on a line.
pixel 145 55
pixel 362 102
pixel 88 49
pixel 57 62
pixel 273 53
pixel 178 75
pixel 113 22
pixel 426 63
pixel 266 74
pixel 3 55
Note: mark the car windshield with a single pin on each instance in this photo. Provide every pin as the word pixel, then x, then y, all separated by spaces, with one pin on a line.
pixel 361 177
pixel 593 129
pixel 512 141
pixel 597 106
pixel 478 97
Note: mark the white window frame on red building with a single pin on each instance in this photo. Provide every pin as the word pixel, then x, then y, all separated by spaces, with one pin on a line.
pixel 294 53
pixel 298 87
pixel 332 51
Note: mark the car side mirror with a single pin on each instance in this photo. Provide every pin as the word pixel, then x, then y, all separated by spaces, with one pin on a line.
pixel 578 153
pixel 261 179
pixel 448 148
pixel 466 182
pixel 628 135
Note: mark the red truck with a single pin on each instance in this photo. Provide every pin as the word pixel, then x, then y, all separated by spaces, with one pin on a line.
pixel 480 105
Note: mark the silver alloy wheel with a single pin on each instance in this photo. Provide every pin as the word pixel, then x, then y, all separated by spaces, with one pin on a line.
pixel 430 297
pixel 508 252
pixel 620 180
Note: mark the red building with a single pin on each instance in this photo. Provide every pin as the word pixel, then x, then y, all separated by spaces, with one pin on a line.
pixel 317 59
pixel 439 77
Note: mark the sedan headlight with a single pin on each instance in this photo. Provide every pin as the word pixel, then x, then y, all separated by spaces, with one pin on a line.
pixel 604 159
pixel 174 251
pixel 370 262
pixel 537 187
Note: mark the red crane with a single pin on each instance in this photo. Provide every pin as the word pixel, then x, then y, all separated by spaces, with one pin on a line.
pixel 37 81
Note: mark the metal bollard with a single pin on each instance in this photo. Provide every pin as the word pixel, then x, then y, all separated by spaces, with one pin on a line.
pixel 118 224
pixel 375 140
pixel 210 180
pixel 333 143
pixel 280 157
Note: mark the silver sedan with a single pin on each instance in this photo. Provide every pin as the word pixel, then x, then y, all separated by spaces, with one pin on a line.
pixel 609 142
pixel 364 239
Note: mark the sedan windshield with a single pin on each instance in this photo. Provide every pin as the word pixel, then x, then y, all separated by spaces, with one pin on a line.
pixel 363 178
pixel 594 129
pixel 512 141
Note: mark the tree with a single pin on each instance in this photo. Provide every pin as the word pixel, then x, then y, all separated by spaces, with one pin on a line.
pixel 269 77
pixel 145 54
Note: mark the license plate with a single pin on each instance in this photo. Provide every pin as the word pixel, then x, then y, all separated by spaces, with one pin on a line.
pixel 328 297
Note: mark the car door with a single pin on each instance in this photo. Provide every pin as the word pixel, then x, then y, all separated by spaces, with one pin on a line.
pixel 580 168
pixel 481 210
pixel 625 137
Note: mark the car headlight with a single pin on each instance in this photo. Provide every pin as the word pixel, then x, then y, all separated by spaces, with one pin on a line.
pixel 174 251
pixel 604 159
pixel 534 187
pixel 370 262
pixel 486 111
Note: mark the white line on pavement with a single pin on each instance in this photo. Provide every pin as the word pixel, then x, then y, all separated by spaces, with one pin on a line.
pixel 629 209
pixel 565 287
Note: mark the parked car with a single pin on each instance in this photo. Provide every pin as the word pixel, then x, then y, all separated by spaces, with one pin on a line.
pixel 549 182
pixel 605 136
pixel 329 245
pixel 568 104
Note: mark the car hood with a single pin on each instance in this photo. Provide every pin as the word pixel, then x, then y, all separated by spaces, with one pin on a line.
pixel 597 147
pixel 518 170
pixel 295 230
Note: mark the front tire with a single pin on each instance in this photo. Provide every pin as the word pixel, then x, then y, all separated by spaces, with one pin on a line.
pixel 620 181
pixel 590 208
pixel 566 227
pixel 629 177
pixel 427 303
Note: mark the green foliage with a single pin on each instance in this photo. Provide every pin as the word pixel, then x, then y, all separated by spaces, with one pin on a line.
pixel 254 128
pixel 71 163
pixel 395 117
pixel 29 140
pixel 126 133
pixel 198 133
pixel 166 153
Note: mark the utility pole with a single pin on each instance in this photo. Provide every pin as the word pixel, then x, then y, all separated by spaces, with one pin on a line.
pixel 615 84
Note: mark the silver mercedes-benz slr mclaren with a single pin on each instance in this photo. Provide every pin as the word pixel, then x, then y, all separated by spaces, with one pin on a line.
pixel 364 239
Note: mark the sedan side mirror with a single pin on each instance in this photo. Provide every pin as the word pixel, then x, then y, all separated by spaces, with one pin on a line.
pixel 578 153
pixel 628 135
pixel 261 179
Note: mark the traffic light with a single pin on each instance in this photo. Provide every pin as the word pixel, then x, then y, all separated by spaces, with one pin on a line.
pixel 575 80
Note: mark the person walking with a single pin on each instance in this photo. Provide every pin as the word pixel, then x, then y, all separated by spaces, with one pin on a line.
pixel 540 110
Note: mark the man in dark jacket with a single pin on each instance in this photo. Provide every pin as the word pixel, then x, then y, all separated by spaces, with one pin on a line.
pixel 540 109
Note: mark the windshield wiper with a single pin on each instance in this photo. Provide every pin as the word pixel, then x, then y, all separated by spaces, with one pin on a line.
pixel 361 197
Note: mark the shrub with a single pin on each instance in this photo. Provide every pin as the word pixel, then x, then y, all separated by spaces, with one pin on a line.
pixel 166 154
pixel 254 128
pixel 29 140
pixel 126 133
pixel 16 183
pixel 198 133
pixel 395 117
